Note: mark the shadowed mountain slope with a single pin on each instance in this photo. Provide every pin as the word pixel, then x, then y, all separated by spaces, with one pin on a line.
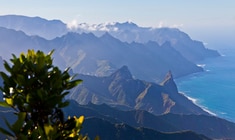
pixel 121 90
pixel 107 131
pixel 210 126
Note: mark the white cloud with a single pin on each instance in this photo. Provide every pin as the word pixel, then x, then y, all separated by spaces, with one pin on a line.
pixel 73 24
pixel 163 24
pixel 205 43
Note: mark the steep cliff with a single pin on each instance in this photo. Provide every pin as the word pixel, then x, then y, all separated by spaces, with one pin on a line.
pixel 120 89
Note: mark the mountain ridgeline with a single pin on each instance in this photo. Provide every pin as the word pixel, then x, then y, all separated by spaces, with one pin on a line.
pixel 167 124
pixel 128 89
pixel 87 54
pixel 121 90
pixel 127 32
pixel 48 29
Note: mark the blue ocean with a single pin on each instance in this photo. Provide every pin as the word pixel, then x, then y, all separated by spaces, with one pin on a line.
pixel 213 89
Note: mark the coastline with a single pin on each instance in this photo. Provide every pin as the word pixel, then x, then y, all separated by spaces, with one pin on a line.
pixel 215 84
pixel 194 100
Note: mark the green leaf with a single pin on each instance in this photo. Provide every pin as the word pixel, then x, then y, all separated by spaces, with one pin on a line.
pixel 48 129
pixel 20 79
pixel 73 84
pixel 5 77
pixel 22 57
pixel 64 104
pixel 4 104
pixel 7 67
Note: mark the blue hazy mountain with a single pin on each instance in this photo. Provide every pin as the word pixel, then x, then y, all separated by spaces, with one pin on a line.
pixel 87 54
pixel 48 29
pixel 100 56
pixel 127 32
pixel 193 50
pixel 148 53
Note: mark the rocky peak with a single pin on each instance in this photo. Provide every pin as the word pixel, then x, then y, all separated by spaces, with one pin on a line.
pixel 169 83
pixel 122 73
pixel 167 78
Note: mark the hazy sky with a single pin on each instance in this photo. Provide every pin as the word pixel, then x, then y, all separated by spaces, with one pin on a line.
pixel 196 17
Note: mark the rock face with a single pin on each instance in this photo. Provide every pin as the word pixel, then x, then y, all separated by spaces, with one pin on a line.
pixel 121 90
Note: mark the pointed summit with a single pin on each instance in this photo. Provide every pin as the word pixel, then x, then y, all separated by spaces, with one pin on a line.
pixel 168 79
pixel 107 36
pixel 169 84
pixel 122 73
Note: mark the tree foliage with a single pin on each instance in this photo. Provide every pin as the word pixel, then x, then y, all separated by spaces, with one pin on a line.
pixel 35 89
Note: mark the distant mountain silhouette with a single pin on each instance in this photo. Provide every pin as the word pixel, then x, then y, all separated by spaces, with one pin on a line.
pixel 140 53
pixel 48 29
pixel 121 90
pixel 88 54
pixel 128 32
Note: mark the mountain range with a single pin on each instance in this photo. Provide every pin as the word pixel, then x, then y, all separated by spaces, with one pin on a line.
pixel 121 90
pixel 142 104
pixel 127 32
pixel 209 126
pixel 48 29
pixel 99 123
pixel 110 59
pixel 192 50
pixel 87 54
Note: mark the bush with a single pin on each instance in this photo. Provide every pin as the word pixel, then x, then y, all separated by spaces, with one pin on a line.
pixel 35 90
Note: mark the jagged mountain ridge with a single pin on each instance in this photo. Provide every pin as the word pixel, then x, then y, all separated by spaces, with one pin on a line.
pixel 100 124
pixel 103 55
pixel 126 132
pixel 210 126
pixel 39 42
pixel 88 54
pixel 94 126
pixel 191 49
pixel 121 90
